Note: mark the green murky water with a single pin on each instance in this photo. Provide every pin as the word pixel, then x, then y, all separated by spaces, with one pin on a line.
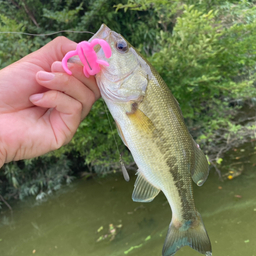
pixel 67 224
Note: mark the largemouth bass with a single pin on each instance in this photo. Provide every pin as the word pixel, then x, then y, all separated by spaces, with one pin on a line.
pixel 151 125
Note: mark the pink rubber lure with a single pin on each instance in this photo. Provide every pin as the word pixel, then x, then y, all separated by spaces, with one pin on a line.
pixel 88 57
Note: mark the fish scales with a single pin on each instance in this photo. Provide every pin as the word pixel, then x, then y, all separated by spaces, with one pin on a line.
pixel 151 125
pixel 169 141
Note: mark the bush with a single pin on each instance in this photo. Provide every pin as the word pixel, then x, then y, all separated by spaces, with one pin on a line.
pixel 204 50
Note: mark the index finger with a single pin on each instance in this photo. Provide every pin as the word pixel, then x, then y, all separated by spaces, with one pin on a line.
pixel 53 51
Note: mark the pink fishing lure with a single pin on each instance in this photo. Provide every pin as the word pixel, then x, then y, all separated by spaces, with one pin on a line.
pixel 88 57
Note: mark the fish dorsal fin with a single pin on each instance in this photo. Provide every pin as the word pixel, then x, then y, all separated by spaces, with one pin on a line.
pixel 201 170
pixel 143 190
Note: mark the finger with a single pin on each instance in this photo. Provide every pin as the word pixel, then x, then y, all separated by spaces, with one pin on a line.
pixel 53 51
pixel 77 72
pixel 64 114
pixel 70 86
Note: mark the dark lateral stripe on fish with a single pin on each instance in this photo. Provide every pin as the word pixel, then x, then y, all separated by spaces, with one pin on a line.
pixel 185 194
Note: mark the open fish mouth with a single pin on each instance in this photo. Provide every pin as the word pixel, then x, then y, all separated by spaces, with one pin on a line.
pixel 102 33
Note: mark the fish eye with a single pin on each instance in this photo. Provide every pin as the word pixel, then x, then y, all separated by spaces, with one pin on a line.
pixel 122 46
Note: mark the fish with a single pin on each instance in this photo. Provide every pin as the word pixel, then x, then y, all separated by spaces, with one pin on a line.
pixel 150 123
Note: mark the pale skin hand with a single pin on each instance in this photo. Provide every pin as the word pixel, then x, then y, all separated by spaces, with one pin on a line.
pixel 41 106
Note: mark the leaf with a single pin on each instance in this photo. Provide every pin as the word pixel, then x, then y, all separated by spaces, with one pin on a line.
pixel 99 229
pixel 219 160
pixel 147 238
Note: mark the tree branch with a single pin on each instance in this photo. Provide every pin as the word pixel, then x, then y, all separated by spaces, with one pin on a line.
pixel 14 3
pixel 1 198
pixel 29 13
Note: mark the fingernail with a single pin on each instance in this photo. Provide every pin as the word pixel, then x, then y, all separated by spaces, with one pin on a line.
pixel 57 67
pixel 45 76
pixel 36 97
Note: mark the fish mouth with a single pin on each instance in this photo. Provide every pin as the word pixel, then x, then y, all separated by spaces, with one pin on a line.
pixel 111 37
pixel 106 34
pixel 102 33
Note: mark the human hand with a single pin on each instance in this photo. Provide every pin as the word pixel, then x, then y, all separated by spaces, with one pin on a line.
pixel 41 107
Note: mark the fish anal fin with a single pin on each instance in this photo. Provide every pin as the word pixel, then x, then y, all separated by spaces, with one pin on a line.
pixel 201 170
pixel 188 233
pixel 143 190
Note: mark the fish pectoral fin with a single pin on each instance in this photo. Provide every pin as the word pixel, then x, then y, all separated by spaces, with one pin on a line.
pixel 143 190
pixel 201 170
pixel 140 120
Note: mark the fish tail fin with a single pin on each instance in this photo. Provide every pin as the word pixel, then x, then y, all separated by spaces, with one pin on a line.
pixel 191 233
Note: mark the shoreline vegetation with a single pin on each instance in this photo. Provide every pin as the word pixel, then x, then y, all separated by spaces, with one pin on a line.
pixel 205 52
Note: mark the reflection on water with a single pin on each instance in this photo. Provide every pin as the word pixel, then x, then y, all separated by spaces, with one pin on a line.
pixel 71 222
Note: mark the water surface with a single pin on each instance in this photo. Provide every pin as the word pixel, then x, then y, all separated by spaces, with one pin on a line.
pixel 67 224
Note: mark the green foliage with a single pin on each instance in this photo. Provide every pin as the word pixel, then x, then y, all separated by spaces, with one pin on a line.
pixel 207 57
pixel 65 15
pixel 35 177
pixel 204 50
pixel 18 47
